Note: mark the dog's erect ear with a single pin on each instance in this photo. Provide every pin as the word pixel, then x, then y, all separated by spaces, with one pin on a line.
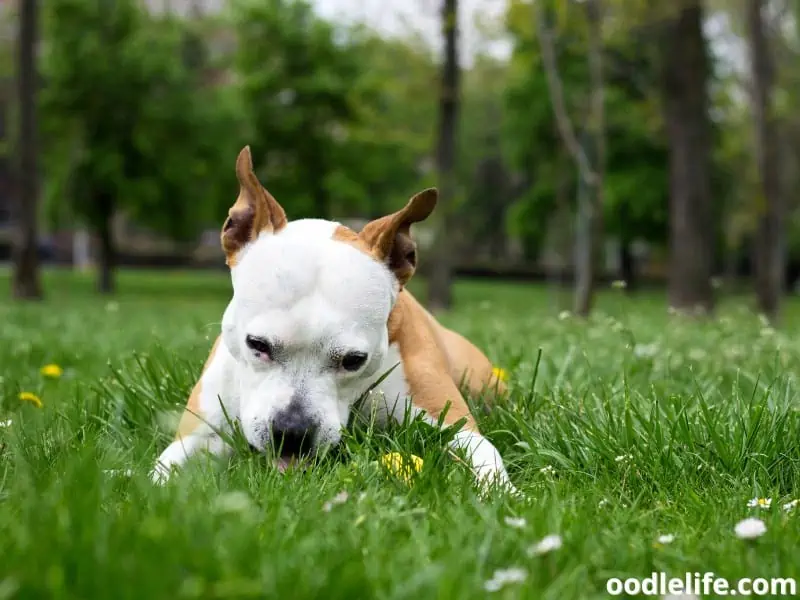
pixel 389 238
pixel 254 211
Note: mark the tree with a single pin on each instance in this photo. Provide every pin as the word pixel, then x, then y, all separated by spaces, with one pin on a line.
pixel 25 279
pixel 301 88
pixel 440 292
pixel 685 74
pixel 590 164
pixel 770 234
pixel 130 127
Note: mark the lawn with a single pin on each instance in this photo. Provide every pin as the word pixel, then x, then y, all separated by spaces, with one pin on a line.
pixel 619 430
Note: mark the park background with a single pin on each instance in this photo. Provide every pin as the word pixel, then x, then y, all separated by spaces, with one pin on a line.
pixel 578 143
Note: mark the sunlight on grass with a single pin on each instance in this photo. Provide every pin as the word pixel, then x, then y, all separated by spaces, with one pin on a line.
pixel 641 441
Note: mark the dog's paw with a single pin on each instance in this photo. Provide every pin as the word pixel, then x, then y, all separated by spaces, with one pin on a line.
pixel 160 474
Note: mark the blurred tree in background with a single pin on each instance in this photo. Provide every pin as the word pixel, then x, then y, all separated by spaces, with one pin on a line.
pixel 683 112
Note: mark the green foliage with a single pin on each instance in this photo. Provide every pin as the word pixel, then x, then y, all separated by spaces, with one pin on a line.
pixel 636 186
pixel 127 121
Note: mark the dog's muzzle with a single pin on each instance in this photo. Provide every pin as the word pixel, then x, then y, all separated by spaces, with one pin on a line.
pixel 292 434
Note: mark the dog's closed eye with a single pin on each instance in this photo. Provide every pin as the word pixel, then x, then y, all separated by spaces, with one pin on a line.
pixel 353 361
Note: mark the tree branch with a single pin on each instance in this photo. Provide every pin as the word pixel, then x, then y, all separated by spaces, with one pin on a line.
pixel 556 93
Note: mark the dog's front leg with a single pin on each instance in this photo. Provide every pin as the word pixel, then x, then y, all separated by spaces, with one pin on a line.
pixel 485 461
pixel 203 417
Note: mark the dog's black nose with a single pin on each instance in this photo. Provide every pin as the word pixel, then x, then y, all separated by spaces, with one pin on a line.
pixel 292 432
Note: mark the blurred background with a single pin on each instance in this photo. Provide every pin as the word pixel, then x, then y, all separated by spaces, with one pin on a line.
pixel 581 143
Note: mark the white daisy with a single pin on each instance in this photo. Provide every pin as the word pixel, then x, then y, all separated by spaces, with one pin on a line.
pixel 791 505
pixel 750 529
pixel 503 577
pixel 764 503
pixel 547 544
pixel 666 539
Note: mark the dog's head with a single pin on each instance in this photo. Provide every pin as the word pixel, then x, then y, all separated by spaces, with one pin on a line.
pixel 308 321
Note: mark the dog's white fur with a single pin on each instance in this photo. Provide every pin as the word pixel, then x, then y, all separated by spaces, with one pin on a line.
pixel 314 299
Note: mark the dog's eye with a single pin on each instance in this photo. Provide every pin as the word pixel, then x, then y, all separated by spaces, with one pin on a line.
pixel 353 361
pixel 260 345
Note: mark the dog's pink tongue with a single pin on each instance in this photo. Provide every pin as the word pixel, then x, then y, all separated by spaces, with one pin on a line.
pixel 284 462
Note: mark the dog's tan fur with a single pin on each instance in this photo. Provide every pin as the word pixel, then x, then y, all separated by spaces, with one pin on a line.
pixel 435 360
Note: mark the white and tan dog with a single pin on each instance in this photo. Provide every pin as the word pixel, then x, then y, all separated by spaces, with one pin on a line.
pixel 319 314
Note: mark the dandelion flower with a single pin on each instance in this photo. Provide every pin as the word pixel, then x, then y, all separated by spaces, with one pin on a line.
pixel 764 503
pixel 789 506
pixel 32 398
pixel 500 374
pixel 502 577
pixel 547 544
pixel 750 528
pixel 515 522
pixel 398 465
pixel 53 371
pixel 339 498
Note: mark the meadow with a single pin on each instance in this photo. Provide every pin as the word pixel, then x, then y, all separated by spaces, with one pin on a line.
pixel 638 438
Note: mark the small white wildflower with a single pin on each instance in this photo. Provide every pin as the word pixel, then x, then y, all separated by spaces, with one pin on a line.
pixel 339 498
pixel 564 315
pixel 503 577
pixel 619 284
pixel 666 539
pixel 547 470
pixel 623 458
pixel 515 522
pixel 602 503
pixel 5 423
pixel 545 545
pixel 750 529
pixel 764 503
pixel 789 506
pixel 234 502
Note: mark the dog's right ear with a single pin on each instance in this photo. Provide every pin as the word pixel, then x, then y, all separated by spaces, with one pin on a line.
pixel 254 211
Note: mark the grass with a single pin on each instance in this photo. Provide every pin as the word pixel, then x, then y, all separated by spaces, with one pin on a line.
pixel 651 426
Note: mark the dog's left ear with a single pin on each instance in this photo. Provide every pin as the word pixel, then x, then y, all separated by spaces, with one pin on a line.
pixel 254 211
pixel 389 238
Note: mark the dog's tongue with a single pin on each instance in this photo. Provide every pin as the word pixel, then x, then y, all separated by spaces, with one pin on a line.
pixel 284 462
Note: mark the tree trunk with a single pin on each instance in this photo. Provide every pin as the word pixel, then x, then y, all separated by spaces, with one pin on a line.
pixel 106 259
pixel 769 256
pixel 589 263
pixel 440 283
pixel 691 228
pixel 627 268
pixel 26 283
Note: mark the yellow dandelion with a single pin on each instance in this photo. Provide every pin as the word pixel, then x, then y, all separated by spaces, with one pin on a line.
pixel 32 398
pixel 52 371
pixel 398 465
pixel 500 374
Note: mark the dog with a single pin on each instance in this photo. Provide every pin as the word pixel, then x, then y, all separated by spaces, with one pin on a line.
pixel 320 317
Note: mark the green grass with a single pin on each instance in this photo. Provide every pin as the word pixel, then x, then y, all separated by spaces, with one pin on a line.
pixel 705 415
